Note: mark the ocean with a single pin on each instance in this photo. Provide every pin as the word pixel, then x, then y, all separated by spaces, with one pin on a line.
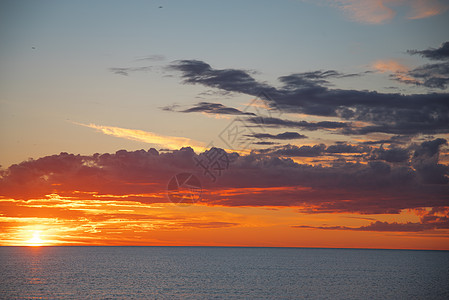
pixel 221 273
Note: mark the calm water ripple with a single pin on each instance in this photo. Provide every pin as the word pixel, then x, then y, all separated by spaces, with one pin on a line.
pixel 221 273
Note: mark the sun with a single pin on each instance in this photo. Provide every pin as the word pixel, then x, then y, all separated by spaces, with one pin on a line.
pixel 35 240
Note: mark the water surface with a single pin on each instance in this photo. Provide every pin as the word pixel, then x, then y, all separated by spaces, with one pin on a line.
pixel 222 273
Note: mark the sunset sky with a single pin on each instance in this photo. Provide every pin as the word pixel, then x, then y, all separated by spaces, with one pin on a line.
pixel 296 123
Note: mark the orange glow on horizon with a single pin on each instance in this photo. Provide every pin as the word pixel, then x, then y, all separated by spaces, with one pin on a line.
pixel 119 222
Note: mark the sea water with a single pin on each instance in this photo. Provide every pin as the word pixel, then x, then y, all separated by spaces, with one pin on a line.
pixel 221 273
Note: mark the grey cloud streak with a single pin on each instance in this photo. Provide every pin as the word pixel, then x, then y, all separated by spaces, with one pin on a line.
pixel 281 136
pixel 210 108
pixel 434 75
pixel 309 93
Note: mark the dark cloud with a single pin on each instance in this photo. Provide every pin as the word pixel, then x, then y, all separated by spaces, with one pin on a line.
pixel 425 161
pixel 393 155
pixel 430 75
pixel 397 139
pixel 264 143
pixel 347 148
pixel 276 122
pixel 425 125
pixel 430 148
pixel 260 178
pixel 423 158
pixel 430 220
pixel 383 226
pixel 441 53
pixel 313 151
pixel 232 80
pixel 211 108
pixel 281 136
pixel 309 93
pixel 312 78
pixel 433 173
pixel 294 151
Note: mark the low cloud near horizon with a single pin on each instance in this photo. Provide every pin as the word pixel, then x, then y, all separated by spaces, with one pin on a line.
pixel 385 181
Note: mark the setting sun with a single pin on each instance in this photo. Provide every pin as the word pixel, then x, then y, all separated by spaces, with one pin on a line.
pixel 35 240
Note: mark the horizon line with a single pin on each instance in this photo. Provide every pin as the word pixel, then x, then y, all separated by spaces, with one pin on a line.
pixel 212 246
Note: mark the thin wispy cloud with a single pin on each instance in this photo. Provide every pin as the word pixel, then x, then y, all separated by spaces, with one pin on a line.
pixel 304 125
pixel 281 136
pixel 171 142
pixel 420 9
pixel 126 71
pixel 153 57
pixel 434 75
pixel 209 108
pixel 383 11
pixel 398 71
pixel 390 65
pixel 365 11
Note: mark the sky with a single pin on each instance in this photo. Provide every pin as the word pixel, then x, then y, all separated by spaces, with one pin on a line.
pixel 292 123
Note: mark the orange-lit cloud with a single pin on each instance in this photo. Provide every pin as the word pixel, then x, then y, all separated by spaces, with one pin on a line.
pixel 366 11
pixel 401 175
pixel 131 223
pixel 47 222
pixel 121 198
pixel 398 70
pixel 165 141
pixel 162 141
pixel 426 8
pixel 256 179
pixel 390 66
pixel 382 11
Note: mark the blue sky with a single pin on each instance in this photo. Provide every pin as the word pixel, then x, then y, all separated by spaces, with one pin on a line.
pixel 56 58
